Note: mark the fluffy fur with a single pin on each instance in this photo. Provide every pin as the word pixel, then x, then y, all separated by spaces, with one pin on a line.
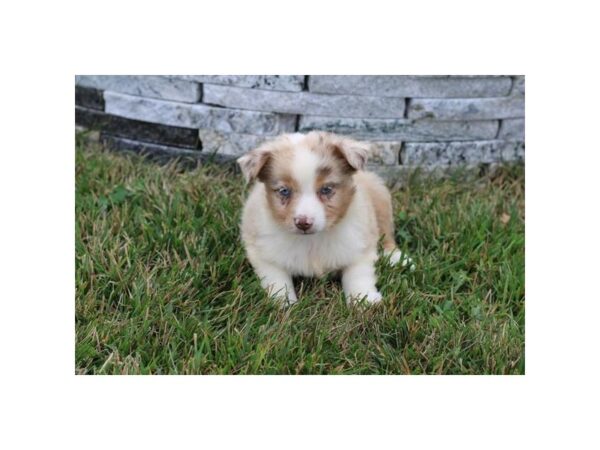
pixel 314 210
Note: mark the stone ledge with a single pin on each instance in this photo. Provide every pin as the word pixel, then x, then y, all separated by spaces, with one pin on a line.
pixel 293 83
pixel 151 86
pixel 89 98
pixel 304 102
pixel 466 109
pixel 394 175
pixel 412 86
pixel 198 116
pixel 403 129
pixel 162 153
pixel 236 144
pixel 461 153
pixel 399 176
pixel 135 129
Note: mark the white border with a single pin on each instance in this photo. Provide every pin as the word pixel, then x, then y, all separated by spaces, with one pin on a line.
pixel 46 43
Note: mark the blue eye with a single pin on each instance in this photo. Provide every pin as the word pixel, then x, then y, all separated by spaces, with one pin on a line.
pixel 284 192
pixel 326 190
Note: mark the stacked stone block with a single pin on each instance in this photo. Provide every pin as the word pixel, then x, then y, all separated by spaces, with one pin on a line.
pixel 411 121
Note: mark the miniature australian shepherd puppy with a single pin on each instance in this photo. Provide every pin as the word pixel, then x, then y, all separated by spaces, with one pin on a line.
pixel 314 210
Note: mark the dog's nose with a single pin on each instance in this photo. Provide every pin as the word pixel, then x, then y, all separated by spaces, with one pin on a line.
pixel 303 223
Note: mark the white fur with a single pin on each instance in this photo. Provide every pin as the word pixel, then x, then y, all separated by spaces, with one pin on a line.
pixel 296 138
pixel 358 280
pixel 304 169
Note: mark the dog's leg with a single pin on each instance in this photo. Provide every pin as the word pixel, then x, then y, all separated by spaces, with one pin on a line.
pixel 277 282
pixel 358 281
pixel 382 202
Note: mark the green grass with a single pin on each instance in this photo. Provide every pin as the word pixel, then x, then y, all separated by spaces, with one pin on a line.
pixel 162 285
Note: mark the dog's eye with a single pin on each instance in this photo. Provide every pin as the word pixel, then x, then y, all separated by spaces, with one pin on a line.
pixel 326 190
pixel 284 192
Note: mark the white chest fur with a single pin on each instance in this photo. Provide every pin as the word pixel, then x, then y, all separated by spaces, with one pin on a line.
pixel 313 255
pixel 320 253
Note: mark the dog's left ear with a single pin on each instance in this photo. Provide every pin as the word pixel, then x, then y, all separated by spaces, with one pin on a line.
pixel 253 162
pixel 354 152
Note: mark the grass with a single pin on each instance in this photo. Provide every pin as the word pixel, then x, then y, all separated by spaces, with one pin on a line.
pixel 162 285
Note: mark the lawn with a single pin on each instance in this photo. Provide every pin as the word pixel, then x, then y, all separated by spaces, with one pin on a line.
pixel 162 285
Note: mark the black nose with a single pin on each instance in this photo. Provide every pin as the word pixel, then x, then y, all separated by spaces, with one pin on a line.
pixel 303 223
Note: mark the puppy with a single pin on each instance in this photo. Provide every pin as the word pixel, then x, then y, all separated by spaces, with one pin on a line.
pixel 314 210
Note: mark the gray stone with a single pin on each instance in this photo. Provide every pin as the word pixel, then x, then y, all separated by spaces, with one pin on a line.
pixel 461 153
pixel 466 108
pixel 512 129
pixel 399 176
pixel 518 88
pixel 234 144
pixel 304 102
pixel 411 86
pixel 293 83
pixel 403 129
pixel 386 153
pixel 152 86
pixel 394 176
pixel 513 151
pixel 197 115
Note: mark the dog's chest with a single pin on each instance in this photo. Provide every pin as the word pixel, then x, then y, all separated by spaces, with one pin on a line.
pixel 314 255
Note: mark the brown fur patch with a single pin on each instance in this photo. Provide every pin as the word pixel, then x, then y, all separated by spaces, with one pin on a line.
pixel 382 202
pixel 353 153
pixel 336 176
pixel 276 174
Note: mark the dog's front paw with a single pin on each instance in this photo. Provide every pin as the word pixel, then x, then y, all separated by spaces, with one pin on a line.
pixel 289 301
pixel 374 297
pixel 396 256
pixel 370 298
pixel 284 298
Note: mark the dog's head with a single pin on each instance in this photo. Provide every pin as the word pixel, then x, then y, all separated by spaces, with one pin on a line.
pixel 307 177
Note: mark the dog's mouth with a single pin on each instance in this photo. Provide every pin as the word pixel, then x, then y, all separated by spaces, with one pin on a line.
pixel 306 232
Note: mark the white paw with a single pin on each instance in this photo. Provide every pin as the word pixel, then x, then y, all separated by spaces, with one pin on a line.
pixel 289 300
pixel 396 256
pixel 284 302
pixel 371 298
pixel 374 297
pixel 283 296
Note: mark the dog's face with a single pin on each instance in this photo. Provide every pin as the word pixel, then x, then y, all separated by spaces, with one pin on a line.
pixel 308 178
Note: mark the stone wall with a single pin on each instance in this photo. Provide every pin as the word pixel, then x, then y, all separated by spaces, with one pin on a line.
pixel 425 121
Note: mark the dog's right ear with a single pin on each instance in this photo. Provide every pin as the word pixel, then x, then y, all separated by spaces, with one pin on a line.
pixel 253 162
pixel 354 152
